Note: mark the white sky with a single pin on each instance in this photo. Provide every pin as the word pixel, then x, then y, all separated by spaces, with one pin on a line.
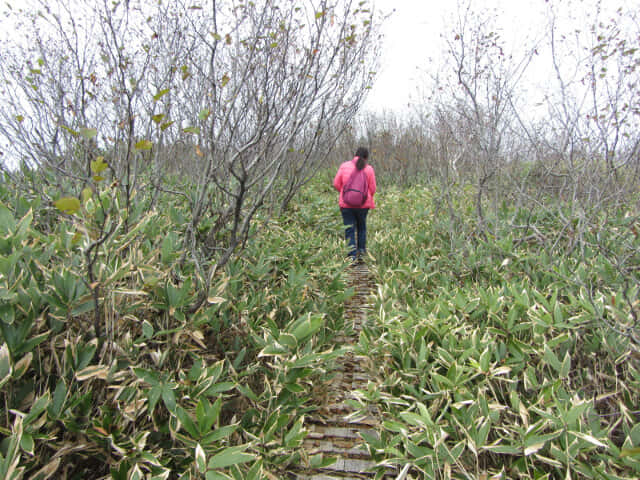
pixel 413 41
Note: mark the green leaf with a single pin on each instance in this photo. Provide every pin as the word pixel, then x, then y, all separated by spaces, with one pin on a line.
pixel 220 387
pixel 187 422
pixel 629 452
pixel 27 444
pixel 169 398
pixel 485 359
pixel 230 456
pixel 144 145
pixel 166 125
pixel 158 118
pixel 551 359
pixel 588 438
pixel 201 458
pixel 70 130
pixel 23 225
pixel 565 368
pixel 5 365
pixel 88 133
pixel 86 194
pixel 413 419
pixel 150 377
pixel 68 205
pixel 576 411
pixel 320 14
pixel 160 94
pixel 295 435
pixel 135 473
pixel 204 114
pixel 535 443
pixel 219 434
pixel 147 329
pixel 59 397
pixel 33 342
pixel 213 475
pixel 225 80
pixel 98 165
pixel 273 349
pixel 503 449
pixel 7 220
pixel 288 340
pixel 37 408
pixel 306 326
pixel 194 130
pixel 154 396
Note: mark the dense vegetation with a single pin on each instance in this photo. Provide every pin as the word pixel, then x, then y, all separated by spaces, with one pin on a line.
pixel 496 355
pixel 171 256
pixel 504 355
pixel 163 389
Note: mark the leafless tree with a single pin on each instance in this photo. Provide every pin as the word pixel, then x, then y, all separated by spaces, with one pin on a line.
pixel 478 96
pixel 240 102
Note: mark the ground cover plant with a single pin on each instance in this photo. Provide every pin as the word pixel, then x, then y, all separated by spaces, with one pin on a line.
pixel 500 355
pixel 162 391
pixel 497 354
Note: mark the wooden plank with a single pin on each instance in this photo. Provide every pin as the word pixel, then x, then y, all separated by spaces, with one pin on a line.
pixel 335 430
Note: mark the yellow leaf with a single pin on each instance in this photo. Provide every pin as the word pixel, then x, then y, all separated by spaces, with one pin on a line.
pixel 144 145
pixel 98 165
pixel 94 371
pixel 629 452
pixel 216 300
pixel 48 470
pixel 68 205
pixel 86 194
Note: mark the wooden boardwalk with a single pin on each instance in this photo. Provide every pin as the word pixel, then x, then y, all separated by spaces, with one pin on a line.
pixel 335 429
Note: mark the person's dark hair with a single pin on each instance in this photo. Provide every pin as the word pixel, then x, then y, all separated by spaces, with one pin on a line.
pixel 363 155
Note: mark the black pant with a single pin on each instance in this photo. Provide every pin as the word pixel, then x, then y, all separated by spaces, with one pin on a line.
pixel 355 222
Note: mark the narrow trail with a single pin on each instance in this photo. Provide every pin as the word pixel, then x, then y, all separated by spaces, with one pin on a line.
pixel 334 430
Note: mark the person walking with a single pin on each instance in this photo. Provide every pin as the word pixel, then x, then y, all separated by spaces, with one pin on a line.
pixel 356 182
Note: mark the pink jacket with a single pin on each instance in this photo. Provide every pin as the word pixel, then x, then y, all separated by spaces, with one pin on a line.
pixel 345 171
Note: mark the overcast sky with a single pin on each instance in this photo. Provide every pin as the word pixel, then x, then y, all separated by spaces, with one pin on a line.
pixel 413 42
